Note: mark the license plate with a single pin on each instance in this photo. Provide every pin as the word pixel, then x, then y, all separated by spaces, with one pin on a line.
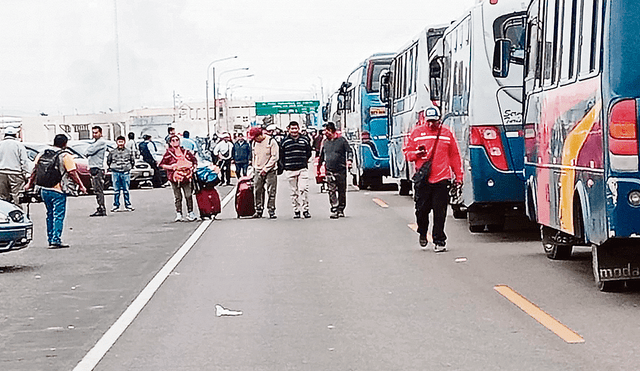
pixel 145 173
pixel 29 234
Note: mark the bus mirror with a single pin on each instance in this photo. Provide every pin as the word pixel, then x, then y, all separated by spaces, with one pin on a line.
pixel 325 113
pixel 501 56
pixel 384 86
pixel 340 102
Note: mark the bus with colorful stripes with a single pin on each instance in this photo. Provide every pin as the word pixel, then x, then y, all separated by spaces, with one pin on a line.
pixel 581 97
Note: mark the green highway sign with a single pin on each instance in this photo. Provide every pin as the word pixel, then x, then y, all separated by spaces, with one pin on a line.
pixel 298 106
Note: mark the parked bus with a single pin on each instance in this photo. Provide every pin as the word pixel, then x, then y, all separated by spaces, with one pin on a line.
pixel 404 90
pixel 484 112
pixel 581 130
pixel 364 121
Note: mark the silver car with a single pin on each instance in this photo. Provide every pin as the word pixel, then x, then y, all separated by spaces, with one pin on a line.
pixel 16 229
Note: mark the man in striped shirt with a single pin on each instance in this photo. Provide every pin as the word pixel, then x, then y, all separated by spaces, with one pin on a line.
pixel 295 151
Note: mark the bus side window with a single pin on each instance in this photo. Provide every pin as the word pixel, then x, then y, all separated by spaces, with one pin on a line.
pixel 550 39
pixel 569 41
pixel 590 40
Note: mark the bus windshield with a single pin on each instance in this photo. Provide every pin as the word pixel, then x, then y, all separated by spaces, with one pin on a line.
pixel 623 52
pixel 373 85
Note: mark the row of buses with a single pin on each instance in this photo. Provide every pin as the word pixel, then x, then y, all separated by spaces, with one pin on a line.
pixel 543 97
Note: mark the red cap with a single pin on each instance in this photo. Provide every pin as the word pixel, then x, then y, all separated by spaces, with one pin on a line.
pixel 254 132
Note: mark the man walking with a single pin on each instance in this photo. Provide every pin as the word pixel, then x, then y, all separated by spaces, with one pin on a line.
pixel 223 151
pixel 265 154
pixel 14 166
pixel 95 154
pixel 57 181
pixel 131 145
pixel 295 152
pixel 188 143
pixel 337 156
pixel 241 155
pixel 147 156
pixel 432 142
pixel 121 161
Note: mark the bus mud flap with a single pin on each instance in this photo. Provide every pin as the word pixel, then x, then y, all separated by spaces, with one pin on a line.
pixel 615 262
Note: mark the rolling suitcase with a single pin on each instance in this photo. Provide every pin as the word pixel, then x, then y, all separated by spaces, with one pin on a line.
pixel 208 202
pixel 244 197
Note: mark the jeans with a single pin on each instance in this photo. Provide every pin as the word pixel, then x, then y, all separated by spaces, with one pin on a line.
pixel 178 189
pixel 121 181
pixel 299 186
pixel 241 169
pixel 56 204
pixel 432 197
pixel 97 182
pixel 337 189
pixel 270 182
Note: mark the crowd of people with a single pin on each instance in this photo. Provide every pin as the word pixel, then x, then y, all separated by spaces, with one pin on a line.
pixel 268 152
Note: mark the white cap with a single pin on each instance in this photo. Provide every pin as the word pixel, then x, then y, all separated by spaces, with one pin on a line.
pixel 432 114
pixel 10 130
pixel 272 127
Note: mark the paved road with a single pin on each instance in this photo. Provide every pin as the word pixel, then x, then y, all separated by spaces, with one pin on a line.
pixel 321 294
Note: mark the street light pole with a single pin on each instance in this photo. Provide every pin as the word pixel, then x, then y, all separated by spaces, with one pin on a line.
pixel 214 87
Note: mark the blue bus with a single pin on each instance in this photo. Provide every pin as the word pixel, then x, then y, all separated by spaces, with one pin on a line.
pixel 363 121
pixel 484 111
pixel 581 125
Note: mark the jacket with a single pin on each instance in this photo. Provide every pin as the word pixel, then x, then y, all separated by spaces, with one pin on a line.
pixel 446 160
pixel 335 153
pixel 121 160
pixel 295 153
pixel 96 152
pixel 242 152
pixel 265 154
pixel 13 158
pixel 223 150
pixel 171 158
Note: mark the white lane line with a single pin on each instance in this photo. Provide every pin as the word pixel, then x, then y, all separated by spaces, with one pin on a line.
pixel 95 355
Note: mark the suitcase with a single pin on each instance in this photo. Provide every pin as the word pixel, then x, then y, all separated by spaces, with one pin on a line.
pixel 208 203
pixel 244 197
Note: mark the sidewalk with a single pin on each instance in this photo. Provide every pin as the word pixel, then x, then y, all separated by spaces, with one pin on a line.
pixel 56 304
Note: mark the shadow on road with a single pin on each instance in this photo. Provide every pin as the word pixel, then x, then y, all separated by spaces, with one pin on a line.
pixel 16 269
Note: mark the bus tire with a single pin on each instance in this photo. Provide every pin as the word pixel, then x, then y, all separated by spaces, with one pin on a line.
pixel 476 228
pixel 495 228
pixel 552 248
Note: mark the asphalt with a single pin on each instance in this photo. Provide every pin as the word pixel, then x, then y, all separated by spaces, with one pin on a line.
pixel 55 304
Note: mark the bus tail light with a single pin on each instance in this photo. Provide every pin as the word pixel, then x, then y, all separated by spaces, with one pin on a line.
pixel 489 138
pixel 377 111
pixel 623 128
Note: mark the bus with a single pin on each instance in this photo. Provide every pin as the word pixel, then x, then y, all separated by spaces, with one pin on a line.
pixel 363 121
pixel 405 92
pixel 581 96
pixel 484 111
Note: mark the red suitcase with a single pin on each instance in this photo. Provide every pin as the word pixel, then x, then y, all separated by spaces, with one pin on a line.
pixel 208 203
pixel 244 197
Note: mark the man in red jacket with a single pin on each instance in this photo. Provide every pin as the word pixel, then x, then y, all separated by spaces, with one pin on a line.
pixel 433 193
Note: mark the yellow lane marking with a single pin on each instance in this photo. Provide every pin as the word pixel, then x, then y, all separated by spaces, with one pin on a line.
pixel 539 315
pixel 380 203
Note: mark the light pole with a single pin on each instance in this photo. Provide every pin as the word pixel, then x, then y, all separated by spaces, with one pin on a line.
pixel 214 84
pixel 226 101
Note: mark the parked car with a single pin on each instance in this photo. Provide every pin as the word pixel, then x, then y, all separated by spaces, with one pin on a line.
pixel 141 173
pixel 16 229
pixel 82 164
pixel 157 148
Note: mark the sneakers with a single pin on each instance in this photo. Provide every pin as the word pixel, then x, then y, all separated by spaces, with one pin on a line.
pixel 257 215
pixel 439 248
pixel 296 215
pixel 178 217
pixel 306 214
pixel 272 215
pixel 191 216
pixel 341 214
pixel 99 213
pixel 114 209
pixel 129 208
pixel 423 242
pixel 58 246
pixel 335 215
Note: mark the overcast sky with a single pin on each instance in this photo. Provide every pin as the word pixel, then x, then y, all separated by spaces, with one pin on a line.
pixel 59 57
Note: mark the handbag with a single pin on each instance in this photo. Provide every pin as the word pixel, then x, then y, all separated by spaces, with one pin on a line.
pixel 422 175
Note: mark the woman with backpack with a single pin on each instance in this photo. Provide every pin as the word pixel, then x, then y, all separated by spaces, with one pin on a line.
pixel 179 164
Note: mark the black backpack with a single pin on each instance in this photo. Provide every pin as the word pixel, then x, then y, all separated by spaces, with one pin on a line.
pixel 48 172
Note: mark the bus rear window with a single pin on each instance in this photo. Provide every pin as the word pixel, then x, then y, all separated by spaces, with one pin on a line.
pixel 373 76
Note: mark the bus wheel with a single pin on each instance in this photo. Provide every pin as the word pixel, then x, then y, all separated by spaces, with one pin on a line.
pixel 554 249
pixel 459 212
pixel 405 187
pixel 604 286
pixel 476 228
pixel 495 227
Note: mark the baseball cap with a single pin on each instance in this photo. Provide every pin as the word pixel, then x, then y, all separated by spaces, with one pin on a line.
pixel 272 127
pixel 432 114
pixel 254 132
